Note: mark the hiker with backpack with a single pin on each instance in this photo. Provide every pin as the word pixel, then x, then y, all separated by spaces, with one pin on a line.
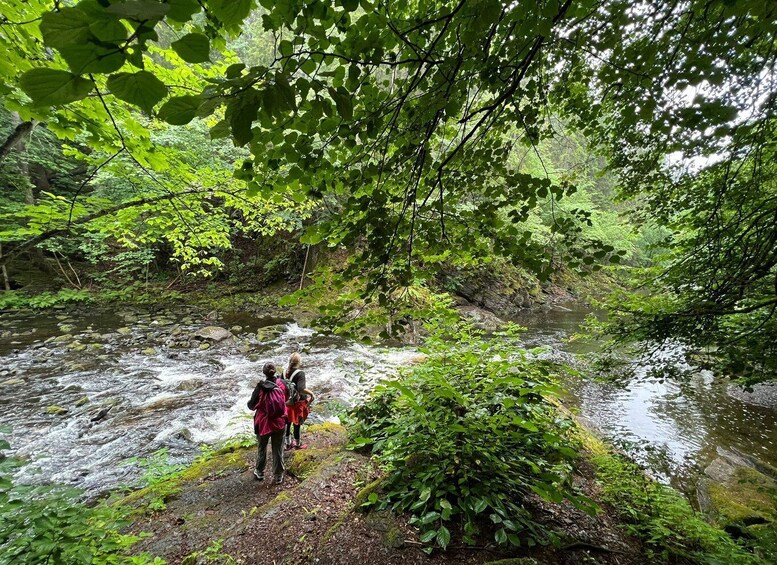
pixel 269 402
pixel 298 403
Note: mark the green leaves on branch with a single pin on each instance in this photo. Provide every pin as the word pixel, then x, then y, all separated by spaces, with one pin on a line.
pixel 180 110
pixel 192 48
pixel 49 87
pixel 143 89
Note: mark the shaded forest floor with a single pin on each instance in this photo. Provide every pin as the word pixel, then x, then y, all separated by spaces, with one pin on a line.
pixel 217 512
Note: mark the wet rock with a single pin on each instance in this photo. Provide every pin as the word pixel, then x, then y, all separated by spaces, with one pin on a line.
pixel 101 413
pixel 55 410
pixel 12 382
pixel 213 333
pixel 188 386
pixel 270 333
pixel 64 338
pixel 763 394
pixel 236 329
pixel 81 401
pixel 481 318
pixel 124 331
pixel 67 328
pixel 203 346
pixel 77 346
pixel 244 349
pixel 149 351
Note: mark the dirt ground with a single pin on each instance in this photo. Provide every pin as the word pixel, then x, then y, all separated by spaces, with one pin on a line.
pixel 226 516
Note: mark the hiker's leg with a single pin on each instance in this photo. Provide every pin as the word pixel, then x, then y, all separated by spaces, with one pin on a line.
pixel 277 454
pixel 261 458
pixel 297 428
pixel 288 434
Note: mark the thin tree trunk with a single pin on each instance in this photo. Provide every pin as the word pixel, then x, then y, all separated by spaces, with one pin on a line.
pixel 304 268
pixel 6 281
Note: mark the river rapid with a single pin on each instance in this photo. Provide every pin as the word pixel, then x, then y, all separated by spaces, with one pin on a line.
pixel 84 391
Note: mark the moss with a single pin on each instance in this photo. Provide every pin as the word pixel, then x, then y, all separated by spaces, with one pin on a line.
pixel 304 462
pixel 362 496
pixel 748 494
pixel 154 496
pixel 326 427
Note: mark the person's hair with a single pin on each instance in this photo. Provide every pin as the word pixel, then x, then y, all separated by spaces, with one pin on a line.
pixel 294 362
pixel 269 369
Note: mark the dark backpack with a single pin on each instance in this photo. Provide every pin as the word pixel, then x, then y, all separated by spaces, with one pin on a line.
pixel 292 394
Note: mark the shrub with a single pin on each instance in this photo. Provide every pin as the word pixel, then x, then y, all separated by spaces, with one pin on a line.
pixel 49 524
pixel 466 436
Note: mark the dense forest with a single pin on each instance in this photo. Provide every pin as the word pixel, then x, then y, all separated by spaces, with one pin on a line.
pixel 378 162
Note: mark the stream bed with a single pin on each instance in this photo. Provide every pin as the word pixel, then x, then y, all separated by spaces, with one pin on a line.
pixel 86 390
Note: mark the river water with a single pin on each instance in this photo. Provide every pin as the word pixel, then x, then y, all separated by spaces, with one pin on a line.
pixel 84 392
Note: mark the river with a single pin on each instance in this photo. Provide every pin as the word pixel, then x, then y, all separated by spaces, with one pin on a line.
pixel 84 391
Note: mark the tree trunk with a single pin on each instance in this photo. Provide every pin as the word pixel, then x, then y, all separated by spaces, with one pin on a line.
pixel 18 135
pixel 6 281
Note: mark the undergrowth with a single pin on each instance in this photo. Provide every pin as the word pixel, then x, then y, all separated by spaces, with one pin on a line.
pixel 660 517
pixel 50 524
pixel 464 438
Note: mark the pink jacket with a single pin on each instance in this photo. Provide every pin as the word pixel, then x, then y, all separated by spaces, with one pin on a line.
pixel 270 415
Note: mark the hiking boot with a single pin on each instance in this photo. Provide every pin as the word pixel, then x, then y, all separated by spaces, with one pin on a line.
pixel 258 476
pixel 278 480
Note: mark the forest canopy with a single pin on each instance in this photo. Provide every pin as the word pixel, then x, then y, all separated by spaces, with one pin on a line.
pixel 402 129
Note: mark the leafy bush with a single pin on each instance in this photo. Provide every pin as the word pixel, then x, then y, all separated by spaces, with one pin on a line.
pixel 49 524
pixel 465 437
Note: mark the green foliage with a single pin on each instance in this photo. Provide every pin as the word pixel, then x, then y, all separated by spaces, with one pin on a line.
pixel 211 555
pixel 660 517
pixel 159 476
pixel 49 524
pixel 11 300
pixel 466 436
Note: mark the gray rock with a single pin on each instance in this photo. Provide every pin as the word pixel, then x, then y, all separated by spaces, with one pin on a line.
pixel 213 333
pixel 149 351
pixel 204 345
pixel 124 331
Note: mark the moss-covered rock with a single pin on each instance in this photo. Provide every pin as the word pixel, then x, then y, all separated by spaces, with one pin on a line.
pixel 739 494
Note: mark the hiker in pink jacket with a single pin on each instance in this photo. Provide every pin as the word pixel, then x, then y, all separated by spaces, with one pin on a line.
pixel 269 402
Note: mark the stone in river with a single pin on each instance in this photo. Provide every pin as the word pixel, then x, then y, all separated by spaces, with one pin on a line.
pixel 55 410
pixel 124 331
pixel 149 351
pixel 214 333
pixel 203 346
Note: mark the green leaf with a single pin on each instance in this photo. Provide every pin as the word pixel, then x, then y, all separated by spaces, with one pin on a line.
pixel 230 12
pixel 428 536
pixel 480 505
pixel 242 118
pixel 91 58
pixel 443 537
pixel 220 130
pixel 350 5
pixel 182 10
pixel 500 536
pixel 343 102
pixel 68 26
pixel 48 87
pixel 235 70
pixel 142 89
pixel 4 444
pixel 192 48
pixel 180 110
pixel 108 30
pixel 139 10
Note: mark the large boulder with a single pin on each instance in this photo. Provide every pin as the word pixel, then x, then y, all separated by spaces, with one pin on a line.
pixel 739 493
pixel 213 333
